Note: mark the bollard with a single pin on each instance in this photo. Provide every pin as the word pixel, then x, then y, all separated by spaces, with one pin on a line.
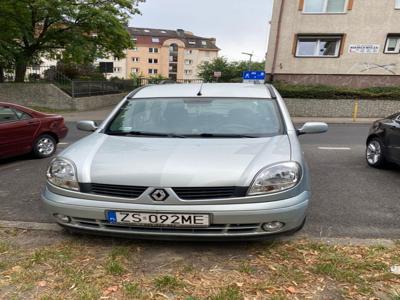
pixel 355 110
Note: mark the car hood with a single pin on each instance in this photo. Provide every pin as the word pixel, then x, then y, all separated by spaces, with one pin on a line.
pixel 174 162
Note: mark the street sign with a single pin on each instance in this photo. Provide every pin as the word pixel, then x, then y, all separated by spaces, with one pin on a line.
pixel 254 75
pixel 217 74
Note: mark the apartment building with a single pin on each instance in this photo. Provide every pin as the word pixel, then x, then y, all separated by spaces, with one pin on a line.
pixel 335 42
pixel 174 54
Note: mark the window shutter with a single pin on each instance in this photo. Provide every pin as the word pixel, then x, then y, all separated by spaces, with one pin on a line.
pixel 294 47
pixel 350 5
pixel 342 44
pixel 301 5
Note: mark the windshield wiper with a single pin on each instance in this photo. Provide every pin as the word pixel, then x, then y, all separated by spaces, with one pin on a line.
pixel 144 133
pixel 223 135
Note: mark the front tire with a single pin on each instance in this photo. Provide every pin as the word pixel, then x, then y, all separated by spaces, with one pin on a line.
pixel 375 153
pixel 44 146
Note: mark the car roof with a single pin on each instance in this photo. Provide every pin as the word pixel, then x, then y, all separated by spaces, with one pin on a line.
pixel 239 90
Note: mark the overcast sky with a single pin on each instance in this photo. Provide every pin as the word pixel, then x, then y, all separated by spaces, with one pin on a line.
pixel 238 25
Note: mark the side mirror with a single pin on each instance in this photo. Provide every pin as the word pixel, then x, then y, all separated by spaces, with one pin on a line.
pixel 312 128
pixel 87 126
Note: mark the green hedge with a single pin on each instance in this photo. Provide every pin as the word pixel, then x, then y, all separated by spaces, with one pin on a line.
pixel 329 92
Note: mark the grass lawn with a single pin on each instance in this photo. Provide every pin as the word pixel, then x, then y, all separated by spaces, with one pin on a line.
pixel 45 265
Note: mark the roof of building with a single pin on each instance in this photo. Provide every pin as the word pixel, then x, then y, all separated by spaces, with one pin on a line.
pixel 190 40
pixel 235 90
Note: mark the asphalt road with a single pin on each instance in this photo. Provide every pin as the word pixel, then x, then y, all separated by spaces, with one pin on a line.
pixel 349 199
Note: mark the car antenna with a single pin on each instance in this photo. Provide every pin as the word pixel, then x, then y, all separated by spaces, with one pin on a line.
pixel 201 87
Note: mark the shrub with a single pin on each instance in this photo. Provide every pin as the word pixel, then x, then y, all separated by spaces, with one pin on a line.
pixel 330 92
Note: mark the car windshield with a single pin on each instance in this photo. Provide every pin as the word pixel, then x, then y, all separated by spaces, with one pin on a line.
pixel 197 117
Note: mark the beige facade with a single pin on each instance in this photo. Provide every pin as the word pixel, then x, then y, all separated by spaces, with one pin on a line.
pixel 340 42
pixel 172 54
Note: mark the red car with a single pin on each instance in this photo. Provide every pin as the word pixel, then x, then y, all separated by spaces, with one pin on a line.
pixel 23 130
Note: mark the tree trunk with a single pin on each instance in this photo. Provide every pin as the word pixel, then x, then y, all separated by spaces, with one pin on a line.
pixel 1 74
pixel 20 70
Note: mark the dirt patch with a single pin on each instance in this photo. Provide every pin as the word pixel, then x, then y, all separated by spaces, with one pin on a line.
pixel 54 265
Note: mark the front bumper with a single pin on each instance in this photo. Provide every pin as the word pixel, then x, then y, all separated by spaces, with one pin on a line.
pixel 227 220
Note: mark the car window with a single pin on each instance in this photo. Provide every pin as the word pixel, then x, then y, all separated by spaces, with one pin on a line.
pixel 193 116
pixel 7 115
pixel 22 115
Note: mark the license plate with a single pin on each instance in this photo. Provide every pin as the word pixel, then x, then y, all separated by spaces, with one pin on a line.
pixel 158 219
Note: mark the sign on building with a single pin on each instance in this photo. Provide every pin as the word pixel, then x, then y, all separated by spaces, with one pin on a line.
pixel 364 49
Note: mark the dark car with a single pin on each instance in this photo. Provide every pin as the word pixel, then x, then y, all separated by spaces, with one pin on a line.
pixel 23 130
pixel 383 143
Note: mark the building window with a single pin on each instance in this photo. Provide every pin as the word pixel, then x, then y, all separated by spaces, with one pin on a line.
pixel 135 59
pixel 324 6
pixel 135 49
pixel 153 60
pixel 153 50
pixel 392 44
pixel 188 72
pixel 117 69
pixel 155 40
pixel 204 43
pixel 189 52
pixel 135 70
pixel 188 61
pixel 191 42
pixel 397 4
pixel 318 46
pixel 153 71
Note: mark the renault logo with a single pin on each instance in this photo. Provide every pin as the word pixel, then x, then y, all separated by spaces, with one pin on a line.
pixel 159 195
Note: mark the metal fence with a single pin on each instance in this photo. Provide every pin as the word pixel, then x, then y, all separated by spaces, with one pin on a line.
pixel 87 88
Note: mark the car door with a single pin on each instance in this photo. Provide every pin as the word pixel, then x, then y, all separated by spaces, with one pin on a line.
pixel 393 139
pixel 17 131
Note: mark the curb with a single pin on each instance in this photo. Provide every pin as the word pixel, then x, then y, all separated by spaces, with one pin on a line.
pixel 325 240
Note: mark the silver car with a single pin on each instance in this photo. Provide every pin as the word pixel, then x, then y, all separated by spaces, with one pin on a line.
pixel 193 161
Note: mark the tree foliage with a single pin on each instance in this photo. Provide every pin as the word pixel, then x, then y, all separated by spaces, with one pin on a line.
pixel 231 71
pixel 73 30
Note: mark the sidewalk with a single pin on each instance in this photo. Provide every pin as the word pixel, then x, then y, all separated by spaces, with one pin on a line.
pixel 99 115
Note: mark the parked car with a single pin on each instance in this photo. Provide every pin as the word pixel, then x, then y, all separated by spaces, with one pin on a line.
pixel 195 161
pixel 23 130
pixel 383 142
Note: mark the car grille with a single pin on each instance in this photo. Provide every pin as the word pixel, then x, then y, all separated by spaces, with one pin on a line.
pixel 184 193
pixel 214 229
pixel 202 193
pixel 113 190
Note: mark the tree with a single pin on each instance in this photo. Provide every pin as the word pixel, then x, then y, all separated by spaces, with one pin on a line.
pixel 231 71
pixel 74 30
pixel 219 64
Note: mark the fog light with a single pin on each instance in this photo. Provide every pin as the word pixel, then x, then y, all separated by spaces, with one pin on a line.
pixel 62 218
pixel 272 226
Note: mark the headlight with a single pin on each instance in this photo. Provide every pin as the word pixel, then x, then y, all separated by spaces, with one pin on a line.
pixel 276 178
pixel 62 173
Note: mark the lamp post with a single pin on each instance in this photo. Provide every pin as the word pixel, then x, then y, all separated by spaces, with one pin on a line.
pixel 250 58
